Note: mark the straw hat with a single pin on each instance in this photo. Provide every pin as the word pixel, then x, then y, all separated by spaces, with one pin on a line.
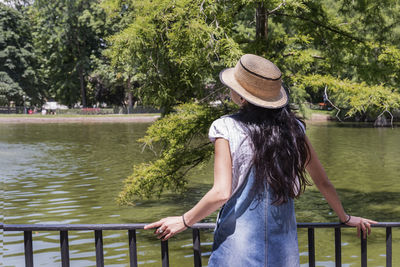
pixel 257 80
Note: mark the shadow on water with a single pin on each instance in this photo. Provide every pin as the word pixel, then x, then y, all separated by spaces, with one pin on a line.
pixel 349 124
pixel 310 207
pixel 187 198
pixel 373 205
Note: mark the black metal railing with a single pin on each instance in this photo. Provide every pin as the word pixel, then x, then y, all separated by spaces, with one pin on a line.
pixel 131 228
pixel 338 241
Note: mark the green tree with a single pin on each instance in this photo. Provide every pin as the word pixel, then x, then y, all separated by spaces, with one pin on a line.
pixel 356 99
pixel 18 79
pixel 173 48
pixel 120 76
pixel 67 34
pixel 179 141
pixel 347 49
pixel 342 40
pixel 105 85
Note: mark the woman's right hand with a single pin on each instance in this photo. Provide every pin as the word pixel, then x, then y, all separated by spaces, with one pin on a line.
pixel 361 224
pixel 167 227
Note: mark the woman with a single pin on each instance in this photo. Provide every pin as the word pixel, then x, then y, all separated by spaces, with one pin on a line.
pixel 261 157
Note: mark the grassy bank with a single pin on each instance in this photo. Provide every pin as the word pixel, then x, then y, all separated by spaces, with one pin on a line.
pixel 309 112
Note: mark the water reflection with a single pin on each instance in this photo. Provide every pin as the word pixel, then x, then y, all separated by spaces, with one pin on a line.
pixel 71 173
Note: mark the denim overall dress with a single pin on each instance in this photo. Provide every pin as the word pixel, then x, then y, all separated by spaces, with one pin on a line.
pixel 250 230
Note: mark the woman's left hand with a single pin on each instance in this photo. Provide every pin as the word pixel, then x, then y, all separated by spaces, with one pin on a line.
pixel 167 227
pixel 363 225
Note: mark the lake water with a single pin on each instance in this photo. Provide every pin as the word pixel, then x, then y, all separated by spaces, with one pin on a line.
pixel 72 173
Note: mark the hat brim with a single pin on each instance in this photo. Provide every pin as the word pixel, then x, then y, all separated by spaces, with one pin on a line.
pixel 227 78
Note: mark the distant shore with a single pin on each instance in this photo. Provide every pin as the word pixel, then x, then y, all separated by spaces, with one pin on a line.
pixel 135 118
pixel 317 117
pixel 139 118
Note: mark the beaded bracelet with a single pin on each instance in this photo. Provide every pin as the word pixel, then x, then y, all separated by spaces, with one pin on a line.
pixel 183 218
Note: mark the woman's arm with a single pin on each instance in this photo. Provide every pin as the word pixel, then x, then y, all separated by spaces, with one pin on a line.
pixel 211 201
pixel 321 181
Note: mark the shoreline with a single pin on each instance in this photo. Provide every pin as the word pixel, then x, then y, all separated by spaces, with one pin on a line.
pixel 80 119
pixel 140 118
pixel 319 118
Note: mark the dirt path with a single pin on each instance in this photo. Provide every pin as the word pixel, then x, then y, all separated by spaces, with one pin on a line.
pixel 83 119
pixel 315 117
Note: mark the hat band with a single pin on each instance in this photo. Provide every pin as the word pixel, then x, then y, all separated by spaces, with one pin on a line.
pixel 258 75
pixel 265 89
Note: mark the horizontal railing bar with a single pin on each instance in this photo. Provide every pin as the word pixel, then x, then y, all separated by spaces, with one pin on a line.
pixel 98 228
pixel 72 227
pixel 134 226
pixel 90 227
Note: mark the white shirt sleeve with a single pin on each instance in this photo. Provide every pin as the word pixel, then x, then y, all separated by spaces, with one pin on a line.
pixel 218 129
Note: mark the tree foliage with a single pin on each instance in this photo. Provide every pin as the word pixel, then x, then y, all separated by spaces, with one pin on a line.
pixel 105 84
pixel 337 45
pixel 356 99
pixel 174 48
pixel 174 56
pixel 180 144
pixel 18 78
pixel 66 35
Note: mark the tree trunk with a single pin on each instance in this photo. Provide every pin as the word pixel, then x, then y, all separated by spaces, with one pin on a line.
pixel 83 89
pixel 130 97
pixel 381 121
pixel 260 21
pixel 266 27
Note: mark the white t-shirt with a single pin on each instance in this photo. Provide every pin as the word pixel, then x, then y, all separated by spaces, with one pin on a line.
pixel 240 146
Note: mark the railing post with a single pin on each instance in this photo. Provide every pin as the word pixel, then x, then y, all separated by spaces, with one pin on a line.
pixel 388 246
pixel 311 247
pixel 196 247
pixel 98 236
pixel 132 248
pixel 164 254
pixel 338 247
pixel 64 248
pixel 28 248
pixel 363 249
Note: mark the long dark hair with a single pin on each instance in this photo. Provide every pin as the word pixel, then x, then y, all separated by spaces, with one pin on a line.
pixel 280 150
